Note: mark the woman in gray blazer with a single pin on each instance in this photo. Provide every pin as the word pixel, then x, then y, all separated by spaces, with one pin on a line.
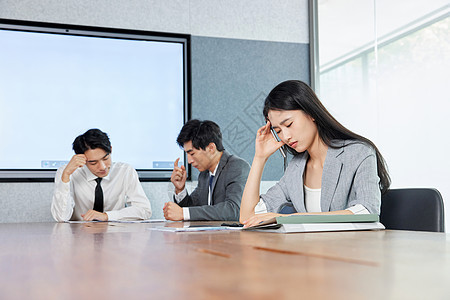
pixel 333 171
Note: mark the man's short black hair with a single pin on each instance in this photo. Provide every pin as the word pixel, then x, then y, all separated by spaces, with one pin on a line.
pixel 91 139
pixel 201 133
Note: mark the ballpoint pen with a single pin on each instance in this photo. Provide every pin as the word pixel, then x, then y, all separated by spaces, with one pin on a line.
pixel 276 138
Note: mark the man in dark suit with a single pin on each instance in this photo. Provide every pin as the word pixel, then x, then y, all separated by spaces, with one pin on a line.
pixel 220 183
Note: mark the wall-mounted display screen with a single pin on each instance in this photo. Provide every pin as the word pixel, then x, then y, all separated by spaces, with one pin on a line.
pixel 58 81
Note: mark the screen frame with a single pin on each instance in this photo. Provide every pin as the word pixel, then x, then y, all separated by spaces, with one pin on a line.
pixel 39 175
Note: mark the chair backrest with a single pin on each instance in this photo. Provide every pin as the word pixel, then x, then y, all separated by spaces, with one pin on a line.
pixel 287 208
pixel 419 209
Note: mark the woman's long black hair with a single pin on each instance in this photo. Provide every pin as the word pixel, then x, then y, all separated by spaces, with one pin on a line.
pixel 297 95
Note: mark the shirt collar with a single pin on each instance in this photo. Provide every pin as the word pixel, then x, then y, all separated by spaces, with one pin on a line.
pixel 212 173
pixel 90 176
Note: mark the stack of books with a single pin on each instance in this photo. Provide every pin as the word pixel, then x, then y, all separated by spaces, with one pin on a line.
pixel 317 223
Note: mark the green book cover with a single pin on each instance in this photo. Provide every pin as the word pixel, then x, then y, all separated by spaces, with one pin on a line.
pixel 302 219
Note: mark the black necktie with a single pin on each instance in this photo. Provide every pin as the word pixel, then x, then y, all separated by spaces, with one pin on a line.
pixel 211 178
pixel 98 203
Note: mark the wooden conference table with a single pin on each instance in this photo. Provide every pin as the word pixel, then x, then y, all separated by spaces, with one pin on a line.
pixel 120 261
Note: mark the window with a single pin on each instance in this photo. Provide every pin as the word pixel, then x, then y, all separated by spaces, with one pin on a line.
pixel 382 68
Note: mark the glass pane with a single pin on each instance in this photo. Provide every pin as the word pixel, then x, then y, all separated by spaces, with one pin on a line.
pixel 393 88
pixel 346 37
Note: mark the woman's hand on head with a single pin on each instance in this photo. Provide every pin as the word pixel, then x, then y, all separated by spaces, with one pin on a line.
pixel 259 218
pixel 266 144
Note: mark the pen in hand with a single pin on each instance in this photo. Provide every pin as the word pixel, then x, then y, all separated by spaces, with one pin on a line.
pixel 276 139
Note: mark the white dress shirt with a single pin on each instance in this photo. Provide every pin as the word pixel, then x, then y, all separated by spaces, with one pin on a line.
pixel 312 202
pixel 179 197
pixel 124 197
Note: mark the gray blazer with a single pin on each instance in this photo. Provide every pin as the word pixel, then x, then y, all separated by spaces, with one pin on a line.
pixel 227 188
pixel 349 177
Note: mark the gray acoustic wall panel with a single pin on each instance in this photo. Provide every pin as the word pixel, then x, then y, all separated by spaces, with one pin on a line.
pixel 230 80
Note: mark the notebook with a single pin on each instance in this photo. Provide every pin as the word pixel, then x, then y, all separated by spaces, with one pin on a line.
pixel 318 223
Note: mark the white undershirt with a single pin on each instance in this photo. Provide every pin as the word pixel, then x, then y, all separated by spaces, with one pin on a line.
pixel 312 202
pixel 312 199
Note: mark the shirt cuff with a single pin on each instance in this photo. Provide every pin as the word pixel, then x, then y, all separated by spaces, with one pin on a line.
pixel 358 209
pixel 64 187
pixel 186 215
pixel 113 215
pixel 180 196
pixel 260 208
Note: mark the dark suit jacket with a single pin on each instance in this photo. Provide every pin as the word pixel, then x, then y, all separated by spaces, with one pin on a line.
pixel 227 188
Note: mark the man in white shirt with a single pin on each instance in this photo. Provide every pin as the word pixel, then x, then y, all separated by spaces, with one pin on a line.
pixel 91 187
pixel 220 183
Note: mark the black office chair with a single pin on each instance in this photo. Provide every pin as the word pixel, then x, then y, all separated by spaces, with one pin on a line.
pixel 418 209
pixel 287 208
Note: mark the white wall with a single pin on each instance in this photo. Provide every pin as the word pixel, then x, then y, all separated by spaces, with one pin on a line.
pixel 258 20
pixel 264 20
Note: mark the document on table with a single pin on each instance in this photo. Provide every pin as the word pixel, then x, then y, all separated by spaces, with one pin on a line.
pixel 195 228
pixel 141 221
pixel 121 221
pixel 317 223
